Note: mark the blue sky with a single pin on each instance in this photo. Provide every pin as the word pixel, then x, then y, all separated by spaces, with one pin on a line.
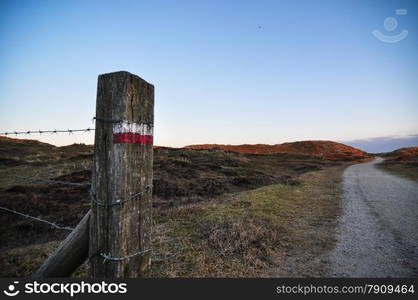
pixel 224 71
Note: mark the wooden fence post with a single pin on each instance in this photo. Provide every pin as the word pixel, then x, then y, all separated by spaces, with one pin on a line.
pixel 120 221
pixel 70 254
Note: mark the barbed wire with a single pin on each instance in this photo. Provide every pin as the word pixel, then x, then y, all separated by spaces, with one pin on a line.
pixel 108 257
pixel 37 219
pixel 92 193
pixel 83 185
pixel 105 120
pixel 69 131
pixel 118 202
pixel 120 120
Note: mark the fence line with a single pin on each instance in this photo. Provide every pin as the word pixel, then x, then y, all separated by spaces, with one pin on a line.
pixel 37 219
pixel 119 202
pixel 108 257
pixel 54 225
pixel 69 131
pixel 87 186
pixel 122 120
pixel 117 91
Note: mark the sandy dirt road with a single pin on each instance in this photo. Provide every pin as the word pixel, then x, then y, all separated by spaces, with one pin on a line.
pixel 377 233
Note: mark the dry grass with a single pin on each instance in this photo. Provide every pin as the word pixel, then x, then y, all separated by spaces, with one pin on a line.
pixel 246 234
pixel 22 261
pixel 252 233
pixel 408 170
pixel 212 219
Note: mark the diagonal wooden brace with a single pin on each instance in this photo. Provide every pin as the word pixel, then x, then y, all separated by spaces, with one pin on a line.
pixel 70 254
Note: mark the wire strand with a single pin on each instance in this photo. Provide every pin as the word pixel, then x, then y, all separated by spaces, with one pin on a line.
pixel 119 202
pixel 108 257
pixel 120 120
pixel 37 219
pixel 70 131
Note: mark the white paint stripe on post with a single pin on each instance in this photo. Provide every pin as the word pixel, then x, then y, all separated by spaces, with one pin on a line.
pixel 133 127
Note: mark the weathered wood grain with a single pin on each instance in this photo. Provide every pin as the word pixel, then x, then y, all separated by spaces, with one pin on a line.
pixel 121 170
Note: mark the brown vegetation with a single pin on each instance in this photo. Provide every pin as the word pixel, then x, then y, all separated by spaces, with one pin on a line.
pixel 402 162
pixel 198 206
pixel 256 233
pixel 324 149
pixel 403 154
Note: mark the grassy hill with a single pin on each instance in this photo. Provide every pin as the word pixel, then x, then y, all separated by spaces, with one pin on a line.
pixel 402 162
pixel 242 212
pixel 321 149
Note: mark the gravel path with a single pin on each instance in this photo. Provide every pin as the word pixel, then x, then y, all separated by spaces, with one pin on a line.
pixel 377 233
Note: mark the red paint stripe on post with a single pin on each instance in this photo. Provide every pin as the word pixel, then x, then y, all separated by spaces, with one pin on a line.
pixel 133 138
